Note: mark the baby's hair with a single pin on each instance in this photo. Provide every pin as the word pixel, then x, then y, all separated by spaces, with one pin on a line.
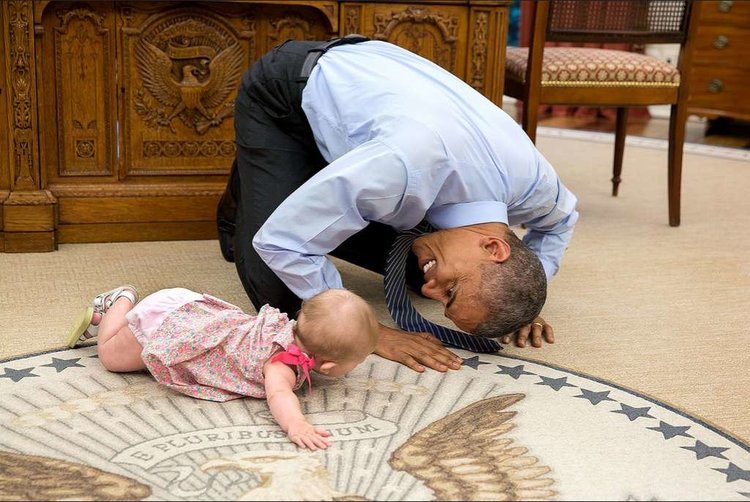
pixel 337 325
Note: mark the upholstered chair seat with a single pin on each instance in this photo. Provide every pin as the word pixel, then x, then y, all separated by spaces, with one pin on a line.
pixel 583 67
pixel 594 76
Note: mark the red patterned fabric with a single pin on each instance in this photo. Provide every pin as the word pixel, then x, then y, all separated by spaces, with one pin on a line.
pixel 634 114
pixel 592 67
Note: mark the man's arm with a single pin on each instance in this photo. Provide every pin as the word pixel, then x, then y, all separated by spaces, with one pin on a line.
pixel 548 236
pixel 415 350
pixel 366 184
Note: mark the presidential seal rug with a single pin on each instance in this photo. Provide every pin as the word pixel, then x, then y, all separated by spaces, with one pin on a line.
pixel 500 428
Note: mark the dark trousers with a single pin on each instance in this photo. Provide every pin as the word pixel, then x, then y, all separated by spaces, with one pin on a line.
pixel 276 154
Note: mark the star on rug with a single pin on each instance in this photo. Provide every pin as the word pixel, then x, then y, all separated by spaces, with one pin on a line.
pixel 500 428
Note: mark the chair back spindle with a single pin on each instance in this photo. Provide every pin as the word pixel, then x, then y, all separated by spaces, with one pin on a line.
pixel 618 21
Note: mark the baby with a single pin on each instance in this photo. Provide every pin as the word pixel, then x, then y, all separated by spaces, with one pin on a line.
pixel 207 348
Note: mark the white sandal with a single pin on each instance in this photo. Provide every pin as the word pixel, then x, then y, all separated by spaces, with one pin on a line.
pixel 102 302
pixel 82 330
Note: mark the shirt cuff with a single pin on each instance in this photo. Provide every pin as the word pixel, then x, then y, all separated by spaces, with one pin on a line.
pixel 468 213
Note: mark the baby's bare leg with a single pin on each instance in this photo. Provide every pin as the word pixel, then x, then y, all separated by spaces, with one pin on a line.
pixel 119 350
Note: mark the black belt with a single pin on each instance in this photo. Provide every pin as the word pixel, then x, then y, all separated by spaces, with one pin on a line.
pixel 314 54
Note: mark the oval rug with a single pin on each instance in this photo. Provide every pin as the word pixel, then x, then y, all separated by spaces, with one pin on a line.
pixel 501 428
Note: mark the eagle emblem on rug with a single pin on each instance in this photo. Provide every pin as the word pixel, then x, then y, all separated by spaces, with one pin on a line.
pixel 467 456
pixel 35 477
pixel 463 456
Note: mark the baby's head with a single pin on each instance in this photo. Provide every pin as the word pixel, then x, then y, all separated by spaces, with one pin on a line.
pixel 339 329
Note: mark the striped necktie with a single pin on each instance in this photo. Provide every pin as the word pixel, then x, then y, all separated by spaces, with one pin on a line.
pixel 401 308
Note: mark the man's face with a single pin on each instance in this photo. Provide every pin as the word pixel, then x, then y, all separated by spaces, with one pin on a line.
pixel 450 261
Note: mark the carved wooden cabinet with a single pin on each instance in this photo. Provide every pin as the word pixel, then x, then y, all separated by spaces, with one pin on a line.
pixel 117 115
pixel 720 69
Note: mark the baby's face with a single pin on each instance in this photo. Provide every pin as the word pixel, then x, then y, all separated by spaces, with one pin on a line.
pixel 344 367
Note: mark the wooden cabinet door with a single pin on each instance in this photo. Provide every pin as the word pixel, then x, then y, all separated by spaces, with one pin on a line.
pixel 138 98
pixel 181 66
pixel 119 113
pixel 467 40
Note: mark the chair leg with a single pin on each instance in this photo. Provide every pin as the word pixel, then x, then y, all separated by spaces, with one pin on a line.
pixel 621 130
pixel 530 117
pixel 677 119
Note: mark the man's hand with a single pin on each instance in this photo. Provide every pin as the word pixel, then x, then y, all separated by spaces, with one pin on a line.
pixel 415 350
pixel 537 330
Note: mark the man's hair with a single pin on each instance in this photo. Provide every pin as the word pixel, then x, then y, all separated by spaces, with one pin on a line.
pixel 513 292
pixel 337 325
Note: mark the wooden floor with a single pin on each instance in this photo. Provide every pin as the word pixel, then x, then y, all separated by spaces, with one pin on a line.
pixel 719 132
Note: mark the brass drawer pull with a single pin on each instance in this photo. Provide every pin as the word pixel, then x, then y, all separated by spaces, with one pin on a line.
pixel 721 41
pixel 725 5
pixel 716 85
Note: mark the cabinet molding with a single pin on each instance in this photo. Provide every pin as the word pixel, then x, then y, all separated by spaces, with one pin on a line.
pixel 107 132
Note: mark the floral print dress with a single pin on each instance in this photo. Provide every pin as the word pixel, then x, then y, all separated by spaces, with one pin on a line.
pixel 210 349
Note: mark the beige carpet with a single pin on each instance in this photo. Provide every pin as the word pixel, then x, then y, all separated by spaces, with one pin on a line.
pixel 661 311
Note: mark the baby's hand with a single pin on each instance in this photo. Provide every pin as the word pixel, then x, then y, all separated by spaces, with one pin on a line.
pixel 305 435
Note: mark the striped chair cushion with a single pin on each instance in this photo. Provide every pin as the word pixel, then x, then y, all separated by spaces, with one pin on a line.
pixel 585 67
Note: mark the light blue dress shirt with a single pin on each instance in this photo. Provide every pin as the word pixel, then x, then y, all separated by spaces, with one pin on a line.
pixel 405 141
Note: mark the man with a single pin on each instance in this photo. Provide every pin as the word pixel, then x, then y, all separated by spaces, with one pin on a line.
pixel 341 146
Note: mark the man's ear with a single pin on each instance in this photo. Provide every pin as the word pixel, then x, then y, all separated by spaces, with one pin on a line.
pixel 496 247
pixel 326 367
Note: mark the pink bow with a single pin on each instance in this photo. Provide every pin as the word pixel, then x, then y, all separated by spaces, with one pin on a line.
pixel 295 357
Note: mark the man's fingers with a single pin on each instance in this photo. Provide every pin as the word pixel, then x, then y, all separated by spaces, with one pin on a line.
pixel 430 338
pixel 536 335
pixel 416 350
pixel 412 363
pixel 436 363
pixel 522 336
pixel 549 334
pixel 440 360
pixel 436 356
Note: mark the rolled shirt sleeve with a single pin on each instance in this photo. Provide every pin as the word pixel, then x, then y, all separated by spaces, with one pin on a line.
pixel 549 235
pixel 366 184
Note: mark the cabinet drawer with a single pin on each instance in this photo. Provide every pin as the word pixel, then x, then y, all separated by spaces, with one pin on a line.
pixel 725 12
pixel 719 89
pixel 722 46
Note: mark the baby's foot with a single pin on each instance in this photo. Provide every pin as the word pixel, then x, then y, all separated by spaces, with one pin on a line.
pixel 96 318
pixel 81 329
pixel 102 302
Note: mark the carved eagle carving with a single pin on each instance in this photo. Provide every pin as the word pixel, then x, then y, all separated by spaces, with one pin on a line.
pixel 189 94
pixel 466 456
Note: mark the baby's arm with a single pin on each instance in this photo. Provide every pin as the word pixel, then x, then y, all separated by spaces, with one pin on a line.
pixel 285 407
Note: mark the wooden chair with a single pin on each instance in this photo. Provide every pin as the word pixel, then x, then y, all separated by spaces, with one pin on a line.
pixel 601 77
